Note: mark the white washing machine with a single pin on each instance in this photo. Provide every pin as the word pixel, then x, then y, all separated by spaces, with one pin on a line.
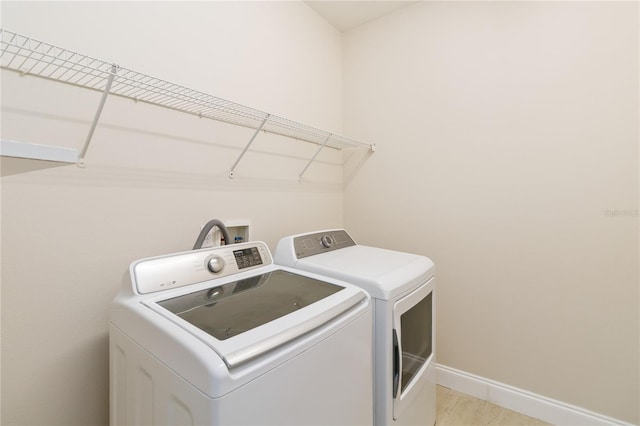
pixel 402 287
pixel 222 336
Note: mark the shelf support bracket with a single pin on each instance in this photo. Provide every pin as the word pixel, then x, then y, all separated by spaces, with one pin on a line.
pixel 105 93
pixel 314 157
pixel 244 151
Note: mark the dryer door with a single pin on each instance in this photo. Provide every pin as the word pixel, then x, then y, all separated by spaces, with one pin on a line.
pixel 413 344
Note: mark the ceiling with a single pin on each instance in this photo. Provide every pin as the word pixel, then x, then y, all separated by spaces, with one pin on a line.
pixel 344 15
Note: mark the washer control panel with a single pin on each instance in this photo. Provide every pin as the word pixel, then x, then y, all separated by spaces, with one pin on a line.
pixel 321 242
pixel 247 257
pixel 181 269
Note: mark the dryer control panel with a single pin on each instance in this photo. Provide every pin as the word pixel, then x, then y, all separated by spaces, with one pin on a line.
pixel 321 242
pixel 191 267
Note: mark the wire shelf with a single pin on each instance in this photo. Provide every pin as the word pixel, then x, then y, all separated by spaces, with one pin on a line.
pixel 28 56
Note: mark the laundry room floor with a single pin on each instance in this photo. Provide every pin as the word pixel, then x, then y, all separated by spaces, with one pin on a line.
pixel 457 409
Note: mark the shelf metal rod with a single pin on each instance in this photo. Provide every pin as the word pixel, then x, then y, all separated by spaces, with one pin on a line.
pixel 112 74
pixel 26 58
pixel 314 157
pixel 82 69
pixel 8 43
pixel 232 171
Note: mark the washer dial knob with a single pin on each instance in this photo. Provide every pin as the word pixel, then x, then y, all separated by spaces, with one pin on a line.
pixel 215 263
pixel 327 241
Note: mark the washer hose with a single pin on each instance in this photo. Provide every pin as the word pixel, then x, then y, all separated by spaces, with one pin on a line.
pixel 205 230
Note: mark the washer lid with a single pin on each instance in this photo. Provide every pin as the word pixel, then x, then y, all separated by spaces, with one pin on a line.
pixel 243 319
pixel 383 273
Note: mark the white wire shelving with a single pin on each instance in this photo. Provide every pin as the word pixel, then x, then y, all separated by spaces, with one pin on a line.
pixel 28 56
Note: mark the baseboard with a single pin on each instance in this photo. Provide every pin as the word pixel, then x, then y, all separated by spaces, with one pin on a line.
pixel 521 401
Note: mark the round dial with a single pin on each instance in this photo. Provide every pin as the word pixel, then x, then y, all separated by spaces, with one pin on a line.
pixel 215 263
pixel 327 241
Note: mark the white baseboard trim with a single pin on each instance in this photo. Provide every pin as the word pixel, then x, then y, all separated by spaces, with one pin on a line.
pixel 521 401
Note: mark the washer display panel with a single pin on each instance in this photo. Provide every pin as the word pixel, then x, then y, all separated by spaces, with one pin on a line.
pixel 233 308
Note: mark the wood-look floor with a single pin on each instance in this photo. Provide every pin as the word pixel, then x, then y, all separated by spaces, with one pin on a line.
pixel 458 409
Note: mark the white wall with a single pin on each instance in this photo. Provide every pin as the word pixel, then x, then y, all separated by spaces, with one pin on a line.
pixel 153 176
pixel 507 138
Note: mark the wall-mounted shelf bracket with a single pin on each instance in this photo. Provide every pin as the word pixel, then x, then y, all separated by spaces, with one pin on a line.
pixel 94 123
pixel 314 157
pixel 246 148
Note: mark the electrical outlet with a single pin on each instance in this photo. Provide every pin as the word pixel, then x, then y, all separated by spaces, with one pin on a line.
pixel 208 240
pixel 212 238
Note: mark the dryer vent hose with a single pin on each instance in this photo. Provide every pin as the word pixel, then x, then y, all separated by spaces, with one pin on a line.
pixel 207 228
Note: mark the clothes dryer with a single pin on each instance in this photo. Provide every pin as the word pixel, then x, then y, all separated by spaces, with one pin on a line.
pixel 402 286
pixel 223 336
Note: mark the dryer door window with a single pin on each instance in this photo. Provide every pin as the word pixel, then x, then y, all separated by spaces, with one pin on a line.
pixel 413 347
pixel 416 339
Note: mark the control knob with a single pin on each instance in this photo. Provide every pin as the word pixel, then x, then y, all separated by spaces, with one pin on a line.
pixel 327 241
pixel 215 263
